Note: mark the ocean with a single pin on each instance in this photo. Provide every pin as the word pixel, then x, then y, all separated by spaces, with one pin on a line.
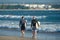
pixel 52 2
pixel 49 19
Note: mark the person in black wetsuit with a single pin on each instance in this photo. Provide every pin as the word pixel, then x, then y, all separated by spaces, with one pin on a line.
pixel 22 25
pixel 33 26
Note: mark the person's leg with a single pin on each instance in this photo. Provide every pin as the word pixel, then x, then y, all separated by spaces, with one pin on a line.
pixel 23 32
pixel 33 33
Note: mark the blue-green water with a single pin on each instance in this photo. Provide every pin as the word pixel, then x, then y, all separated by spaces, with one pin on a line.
pixel 30 2
pixel 50 19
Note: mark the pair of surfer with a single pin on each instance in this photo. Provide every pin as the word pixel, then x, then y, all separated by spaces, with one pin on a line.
pixel 34 25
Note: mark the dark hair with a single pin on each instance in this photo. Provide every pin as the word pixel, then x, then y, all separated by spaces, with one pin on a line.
pixel 22 17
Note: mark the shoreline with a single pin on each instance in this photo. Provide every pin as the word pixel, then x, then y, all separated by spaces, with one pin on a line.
pixel 27 38
pixel 14 35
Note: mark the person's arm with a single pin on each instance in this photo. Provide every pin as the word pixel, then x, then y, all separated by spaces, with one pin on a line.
pixel 31 24
pixel 19 23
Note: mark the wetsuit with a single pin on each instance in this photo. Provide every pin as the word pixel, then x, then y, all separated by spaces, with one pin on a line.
pixel 33 24
pixel 22 24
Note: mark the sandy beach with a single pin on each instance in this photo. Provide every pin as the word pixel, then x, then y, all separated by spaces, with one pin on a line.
pixel 15 38
pixel 8 38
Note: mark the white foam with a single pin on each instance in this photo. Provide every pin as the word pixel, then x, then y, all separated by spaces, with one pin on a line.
pixel 44 27
pixel 16 16
pixel 49 27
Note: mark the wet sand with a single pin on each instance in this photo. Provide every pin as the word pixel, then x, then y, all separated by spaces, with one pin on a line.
pixel 15 38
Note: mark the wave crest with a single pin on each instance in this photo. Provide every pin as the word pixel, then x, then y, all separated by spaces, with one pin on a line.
pixel 16 16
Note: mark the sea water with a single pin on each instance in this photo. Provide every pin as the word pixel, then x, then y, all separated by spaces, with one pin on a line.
pixel 49 19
